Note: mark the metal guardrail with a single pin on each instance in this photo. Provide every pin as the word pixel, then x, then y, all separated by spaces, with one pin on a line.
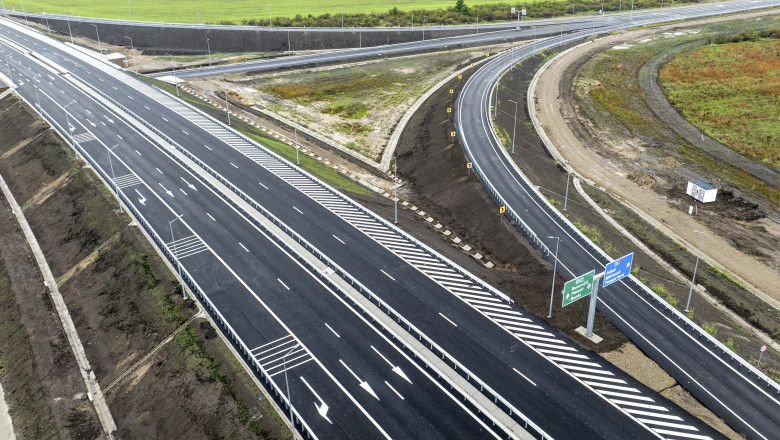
pixel 465 372
pixel 631 281
pixel 186 276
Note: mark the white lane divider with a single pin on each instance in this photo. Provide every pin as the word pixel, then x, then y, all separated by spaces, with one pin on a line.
pixel 332 331
pixel 524 376
pixel 448 319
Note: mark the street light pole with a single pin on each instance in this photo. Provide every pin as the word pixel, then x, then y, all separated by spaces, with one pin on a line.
pixel 227 104
pixel 555 268
pixel 568 177
pixel 176 256
pixel 297 147
pixel 495 109
pixel 514 129
pixel 100 46
pixel 113 177
pixel 47 21
pixel 693 280
pixel 37 98
pixel 395 186
pixel 208 46
pixel 175 81
pixel 71 14
pixel 287 384
pixel 132 49
pixel 67 121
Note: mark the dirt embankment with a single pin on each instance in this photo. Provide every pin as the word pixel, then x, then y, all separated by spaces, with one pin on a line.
pixel 124 302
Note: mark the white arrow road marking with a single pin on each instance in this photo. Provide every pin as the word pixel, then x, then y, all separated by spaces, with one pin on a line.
pixel 142 200
pixel 396 369
pixel 322 408
pixel 91 123
pixel 189 184
pixel 108 119
pixel 165 189
pixel 363 384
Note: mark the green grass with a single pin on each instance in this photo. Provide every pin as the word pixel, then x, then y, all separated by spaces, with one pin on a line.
pixel 731 91
pixel 664 293
pixel 709 328
pixel 214 11
pixel 590 232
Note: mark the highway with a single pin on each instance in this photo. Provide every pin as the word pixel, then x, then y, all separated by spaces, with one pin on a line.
pixel 728 386
pixel 561 388
pixel 554 383
pixel 499 33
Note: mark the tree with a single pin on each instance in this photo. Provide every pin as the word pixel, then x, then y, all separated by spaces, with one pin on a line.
pixel 461 7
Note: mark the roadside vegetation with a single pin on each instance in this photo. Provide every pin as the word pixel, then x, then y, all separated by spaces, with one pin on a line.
pixel 358 105
pixel 732 92
pixel 324 14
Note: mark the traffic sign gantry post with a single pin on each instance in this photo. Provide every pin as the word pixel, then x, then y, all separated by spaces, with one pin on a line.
pixel 592 306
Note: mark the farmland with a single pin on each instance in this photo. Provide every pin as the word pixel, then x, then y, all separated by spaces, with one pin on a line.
pixel 329 13
pixel 213 11
pixel 732 92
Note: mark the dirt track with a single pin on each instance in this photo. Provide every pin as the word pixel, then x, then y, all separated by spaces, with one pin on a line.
pixel 597 168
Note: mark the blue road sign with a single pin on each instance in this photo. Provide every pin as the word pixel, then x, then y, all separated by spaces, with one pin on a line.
pixel 618 269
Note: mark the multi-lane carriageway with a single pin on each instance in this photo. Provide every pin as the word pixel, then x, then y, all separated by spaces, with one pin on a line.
pixel 274 301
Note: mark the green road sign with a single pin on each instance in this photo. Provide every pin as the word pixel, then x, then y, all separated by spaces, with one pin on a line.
pixel 577 288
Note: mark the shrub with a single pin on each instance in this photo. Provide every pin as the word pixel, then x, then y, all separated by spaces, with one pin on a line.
pixel 709 328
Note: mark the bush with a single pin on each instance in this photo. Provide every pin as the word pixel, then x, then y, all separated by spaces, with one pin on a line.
pixel 661 291
pixel 709 328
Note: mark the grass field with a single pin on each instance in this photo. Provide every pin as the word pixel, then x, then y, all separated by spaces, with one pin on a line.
pixel 732 91
pixel 213 11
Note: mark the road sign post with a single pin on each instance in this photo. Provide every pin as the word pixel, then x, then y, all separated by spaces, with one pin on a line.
pixel 578 288
pixel 618 269
pixel 592 306
pixel 761 353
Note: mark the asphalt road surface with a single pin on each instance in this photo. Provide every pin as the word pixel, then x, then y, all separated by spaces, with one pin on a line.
pixel 270 300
